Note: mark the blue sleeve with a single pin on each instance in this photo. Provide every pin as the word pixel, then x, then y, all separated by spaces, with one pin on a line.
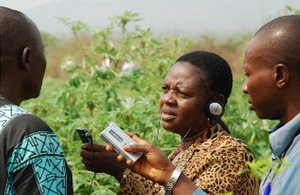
pixel 37 166
pixel 199 192
pixel 31 158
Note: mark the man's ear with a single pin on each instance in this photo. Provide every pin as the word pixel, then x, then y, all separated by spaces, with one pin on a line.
pixel 26 58
pixel 281 75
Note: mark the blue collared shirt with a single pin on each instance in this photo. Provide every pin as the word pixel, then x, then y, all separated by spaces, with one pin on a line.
pixel 288 180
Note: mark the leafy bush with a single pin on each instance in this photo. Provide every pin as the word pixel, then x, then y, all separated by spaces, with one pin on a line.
pixel 99 91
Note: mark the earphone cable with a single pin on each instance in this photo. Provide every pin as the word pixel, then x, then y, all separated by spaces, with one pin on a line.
pixel 89 136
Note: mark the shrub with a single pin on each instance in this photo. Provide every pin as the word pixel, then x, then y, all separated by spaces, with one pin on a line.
pixel 98 91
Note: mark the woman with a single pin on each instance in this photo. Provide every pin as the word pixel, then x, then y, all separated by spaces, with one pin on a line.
pixel 207 154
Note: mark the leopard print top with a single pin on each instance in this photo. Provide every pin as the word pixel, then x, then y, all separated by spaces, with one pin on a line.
pixel 212 163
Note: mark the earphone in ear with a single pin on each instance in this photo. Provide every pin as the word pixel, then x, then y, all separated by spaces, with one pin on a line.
pixel 214 108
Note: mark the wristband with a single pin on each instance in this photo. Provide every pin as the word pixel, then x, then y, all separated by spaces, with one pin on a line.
pixel 172 181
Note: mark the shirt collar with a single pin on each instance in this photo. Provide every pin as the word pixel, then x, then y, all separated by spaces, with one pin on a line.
pixel 280 136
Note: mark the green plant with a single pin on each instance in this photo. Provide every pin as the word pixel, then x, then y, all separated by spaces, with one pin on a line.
pixel 98 91
pixel 293 10
pixel 49 40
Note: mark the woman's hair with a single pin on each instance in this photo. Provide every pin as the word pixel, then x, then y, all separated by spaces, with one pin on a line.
pixel 215 68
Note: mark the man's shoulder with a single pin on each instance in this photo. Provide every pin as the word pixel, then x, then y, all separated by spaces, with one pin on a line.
pixel 20 121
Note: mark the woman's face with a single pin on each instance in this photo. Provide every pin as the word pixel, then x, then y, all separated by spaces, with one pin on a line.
pixel 185 91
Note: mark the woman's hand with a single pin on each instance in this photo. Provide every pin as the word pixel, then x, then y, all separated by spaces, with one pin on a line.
pixel 101 161
pixel 153 164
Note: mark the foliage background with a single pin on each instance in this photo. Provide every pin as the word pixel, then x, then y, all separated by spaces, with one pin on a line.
pixel 79 90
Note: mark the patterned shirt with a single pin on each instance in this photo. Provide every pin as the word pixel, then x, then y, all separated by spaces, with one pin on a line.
pixel 31 159
pixel 213 163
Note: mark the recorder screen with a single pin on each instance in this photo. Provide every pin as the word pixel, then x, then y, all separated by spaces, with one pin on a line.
pixel 116 136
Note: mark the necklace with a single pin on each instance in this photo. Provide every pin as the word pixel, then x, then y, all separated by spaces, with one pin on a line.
pixel 185 142
pixel 187 139
pixel 188 131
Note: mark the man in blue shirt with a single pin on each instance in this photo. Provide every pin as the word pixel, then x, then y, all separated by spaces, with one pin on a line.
pixel 272 69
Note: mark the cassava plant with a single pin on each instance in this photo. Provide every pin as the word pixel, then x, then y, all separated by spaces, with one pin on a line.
pixel 100 89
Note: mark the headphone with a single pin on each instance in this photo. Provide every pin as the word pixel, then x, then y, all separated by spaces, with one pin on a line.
pixel 215 109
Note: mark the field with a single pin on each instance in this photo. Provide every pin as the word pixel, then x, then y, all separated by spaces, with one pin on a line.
pixel 86 86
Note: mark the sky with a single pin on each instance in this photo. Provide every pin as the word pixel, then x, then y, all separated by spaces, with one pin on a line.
pixel 178 17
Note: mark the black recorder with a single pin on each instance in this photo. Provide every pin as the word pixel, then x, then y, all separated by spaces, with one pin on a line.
pixel 84 135
pixel 117 138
